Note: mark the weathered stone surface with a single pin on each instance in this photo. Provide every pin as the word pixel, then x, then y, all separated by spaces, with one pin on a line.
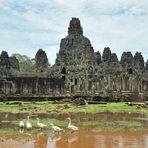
pixel 106 54
pixel 127 59
pixel 4 60
pixel 79 101
pixel 83 75
pixel 75 48
pixel 14 63
pixel 4 64
pixel 31 86
pixel 114 58
pixel 98 57
pixel 138 61
pixel 41 60
pixel 75 27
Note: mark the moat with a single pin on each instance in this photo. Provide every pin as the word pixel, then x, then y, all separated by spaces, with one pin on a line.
pixel 107 130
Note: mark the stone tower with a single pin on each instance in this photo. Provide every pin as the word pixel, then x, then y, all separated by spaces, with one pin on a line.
pixel 76 58
pixel 127 59
pixel 138 61
pixel 41 61
pixel 75 48
pixel 87 72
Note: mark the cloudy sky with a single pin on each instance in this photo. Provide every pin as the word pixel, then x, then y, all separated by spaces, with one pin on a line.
pixel 27 25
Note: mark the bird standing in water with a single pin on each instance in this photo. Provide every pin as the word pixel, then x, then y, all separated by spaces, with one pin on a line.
pixel 56 128
pixel 39 124
pixel 28 124
pixel 21 124
pixel 72 127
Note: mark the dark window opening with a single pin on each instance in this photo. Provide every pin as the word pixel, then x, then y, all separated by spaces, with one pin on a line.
pixel 76 82
pixel 63 77
pixel 63 70
pixel 90 76
pixel 130 71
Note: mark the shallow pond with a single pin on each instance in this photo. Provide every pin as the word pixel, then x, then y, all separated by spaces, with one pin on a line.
pixel 102 130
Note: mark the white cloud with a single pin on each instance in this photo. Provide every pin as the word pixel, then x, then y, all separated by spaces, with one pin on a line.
pixel 51 52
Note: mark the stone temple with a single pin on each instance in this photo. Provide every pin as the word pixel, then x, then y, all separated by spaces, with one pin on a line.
pixel 78 71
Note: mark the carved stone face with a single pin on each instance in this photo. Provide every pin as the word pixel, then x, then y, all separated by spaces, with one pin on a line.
pixel 75 27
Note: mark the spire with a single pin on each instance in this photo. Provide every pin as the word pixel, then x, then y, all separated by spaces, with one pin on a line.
pixel 75 27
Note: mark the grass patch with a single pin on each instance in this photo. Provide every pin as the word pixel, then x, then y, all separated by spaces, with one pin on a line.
pixel 48 107
pixel 97 125
pixel 7 131
pixel 103 125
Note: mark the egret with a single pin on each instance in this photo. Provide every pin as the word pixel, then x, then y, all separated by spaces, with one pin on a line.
pixel 22 124
pixel 28 124
pixel 56 128
pixel 72 127
pixel 39 124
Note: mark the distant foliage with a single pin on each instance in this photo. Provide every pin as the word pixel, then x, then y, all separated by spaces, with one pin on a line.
pixel 26 63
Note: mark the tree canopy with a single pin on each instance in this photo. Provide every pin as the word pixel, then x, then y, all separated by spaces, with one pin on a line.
pixel 25 62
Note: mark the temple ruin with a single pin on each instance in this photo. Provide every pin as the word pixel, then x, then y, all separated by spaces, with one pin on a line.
pixel 78 71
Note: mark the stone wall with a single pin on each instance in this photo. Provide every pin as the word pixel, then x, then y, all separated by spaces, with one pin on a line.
pixel 31 86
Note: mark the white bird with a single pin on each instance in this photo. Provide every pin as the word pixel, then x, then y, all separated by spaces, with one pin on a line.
pixel 22 124
pixel 39 124
pixel 28 124
pixel 72 127
pixel 56 128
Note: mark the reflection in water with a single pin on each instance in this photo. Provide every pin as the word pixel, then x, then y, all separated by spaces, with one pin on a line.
pixel 87 139
pixel 6 116
pixel 51 143
pixel 40 141
pixel 21 130
pixel 82 139
pixel 56 138
pixel 16 144
pixel 72 138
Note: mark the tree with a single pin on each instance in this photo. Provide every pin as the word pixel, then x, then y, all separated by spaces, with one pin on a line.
pixel 26 63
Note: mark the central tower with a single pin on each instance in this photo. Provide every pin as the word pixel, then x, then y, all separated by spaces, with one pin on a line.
pixel 75 49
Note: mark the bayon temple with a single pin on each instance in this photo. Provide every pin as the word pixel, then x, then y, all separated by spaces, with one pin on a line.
pixel 78 71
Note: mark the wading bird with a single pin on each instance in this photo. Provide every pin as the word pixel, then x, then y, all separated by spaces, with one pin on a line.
pixel 39 124
pixel 72 127
pixel 56 128
pixel 28 124
pixel 22 124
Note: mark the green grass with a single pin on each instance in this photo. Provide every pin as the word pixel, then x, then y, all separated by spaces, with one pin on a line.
pixel 48 107
pixel 104 125
pixel 7 131
pixel 13 127
pixel 97 126
pixel 94 125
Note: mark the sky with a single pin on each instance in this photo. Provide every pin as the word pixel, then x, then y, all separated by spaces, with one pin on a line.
pixel 28 25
